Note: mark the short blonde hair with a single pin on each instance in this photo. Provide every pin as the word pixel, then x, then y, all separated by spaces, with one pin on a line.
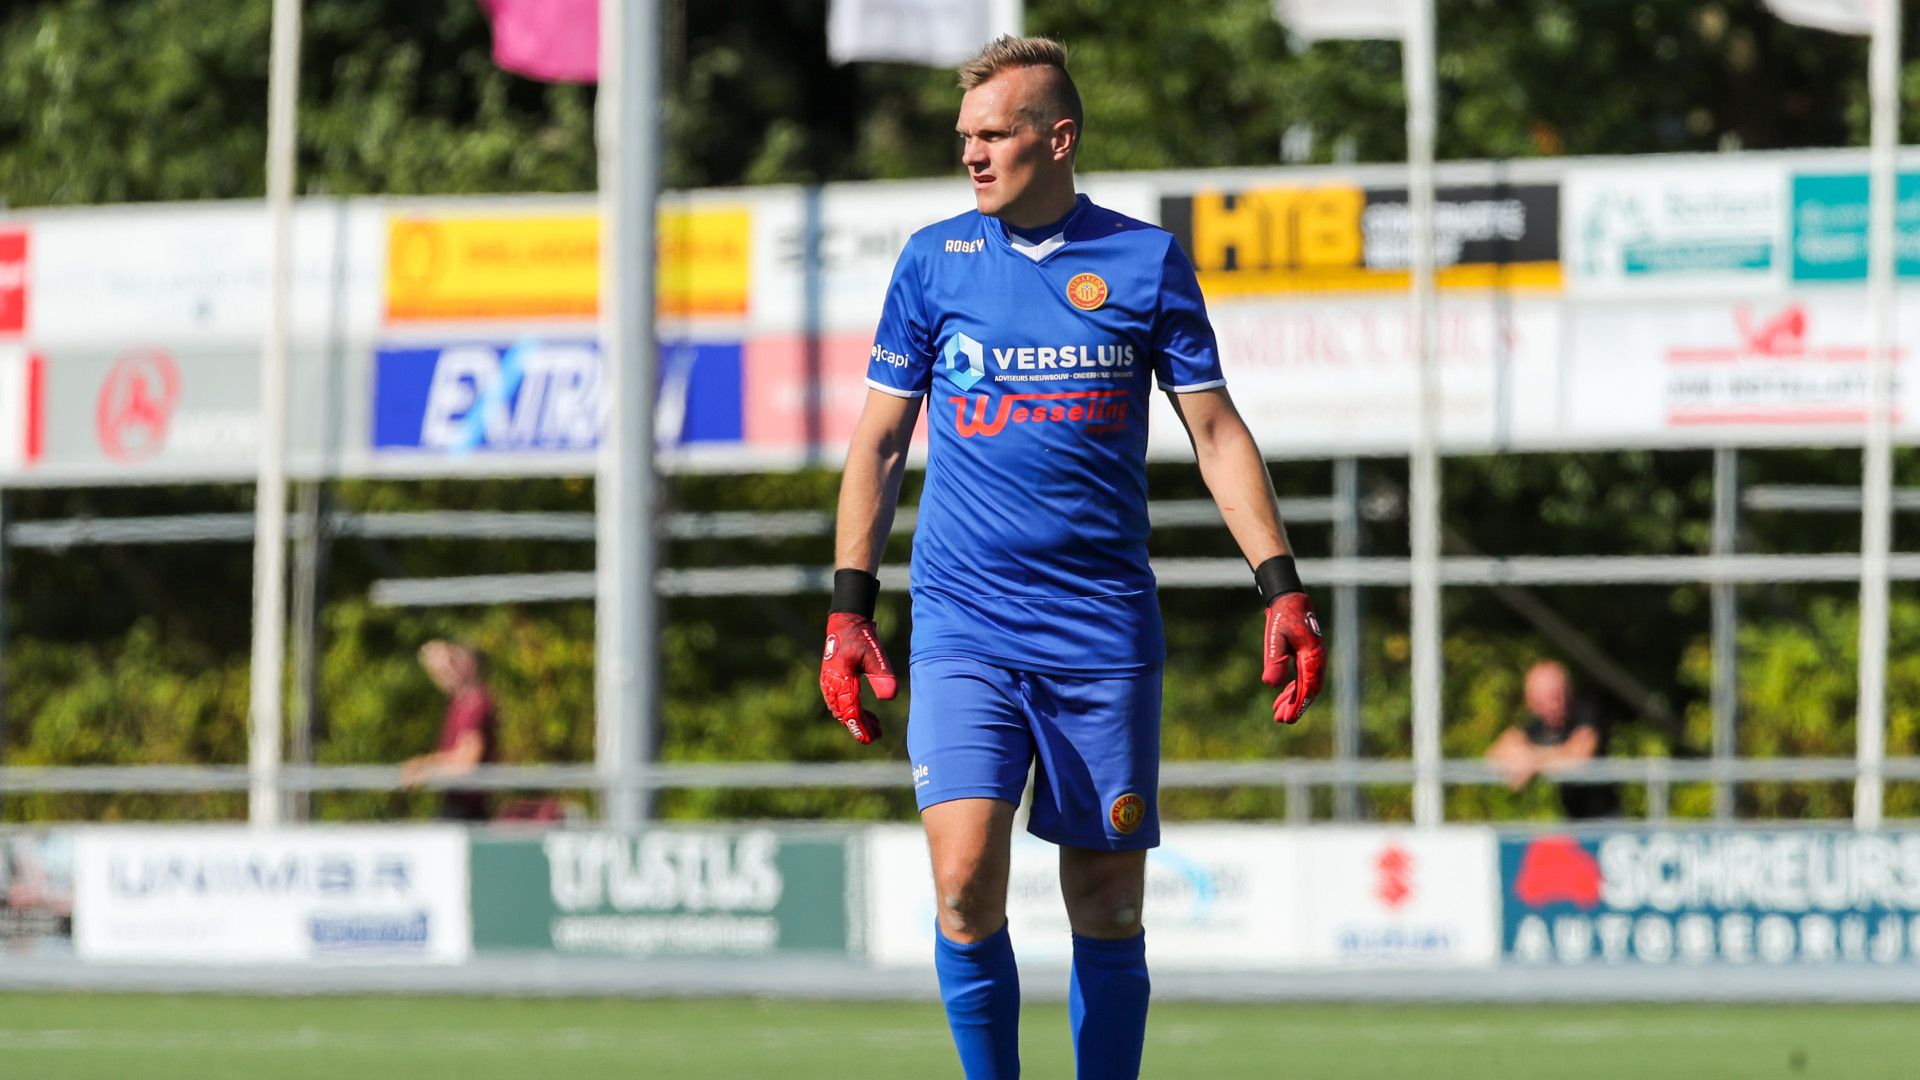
pixel 1007 52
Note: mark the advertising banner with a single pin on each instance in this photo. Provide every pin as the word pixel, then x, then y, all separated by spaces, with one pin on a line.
pixel 1212 892
pixel 22 407
pixel 194 275
pixel 539 266
pixel 443 267
pixel 36 893
pixel 1652 230
pixel 1340 237
pixel 13 281
pixel 1701 897
pixel 1399 897
pixel 1830 227
pixel 1312 374
pixel 541 395
pixel 1694 373
pixel 235 895
pixel 665 892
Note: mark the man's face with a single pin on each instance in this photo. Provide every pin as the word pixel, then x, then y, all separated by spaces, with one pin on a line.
pixel 1003 149
pixel 1546 692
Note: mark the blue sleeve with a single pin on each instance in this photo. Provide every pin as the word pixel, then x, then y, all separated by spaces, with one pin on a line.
pixel 902 360
pixel 1185 355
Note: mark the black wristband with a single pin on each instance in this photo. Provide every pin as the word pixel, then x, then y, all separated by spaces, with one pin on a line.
pixel 854 592
pixel 1276 578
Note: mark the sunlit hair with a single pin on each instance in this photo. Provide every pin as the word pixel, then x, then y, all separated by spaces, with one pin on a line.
pixel 1006 52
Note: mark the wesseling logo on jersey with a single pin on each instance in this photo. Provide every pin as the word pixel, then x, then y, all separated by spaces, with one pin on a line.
pixel 1097 412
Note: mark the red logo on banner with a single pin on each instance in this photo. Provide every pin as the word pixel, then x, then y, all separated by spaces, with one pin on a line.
pixel 1557 868
pixel 1784 334
pixel 13 281
pixel 1395 886
pixel 136 402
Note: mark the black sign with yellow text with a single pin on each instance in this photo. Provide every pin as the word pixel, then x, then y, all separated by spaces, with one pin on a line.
pixel 1343 238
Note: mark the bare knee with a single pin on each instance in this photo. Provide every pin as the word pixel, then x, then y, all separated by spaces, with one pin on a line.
pixel 1104 900
pixel 969 904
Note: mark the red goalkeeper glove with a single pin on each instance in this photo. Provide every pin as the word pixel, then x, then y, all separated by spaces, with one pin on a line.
pixel 853 649
pixel 1292 640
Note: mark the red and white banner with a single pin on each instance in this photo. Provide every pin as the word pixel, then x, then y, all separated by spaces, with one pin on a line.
pixel 1399 897
pixel 1777 371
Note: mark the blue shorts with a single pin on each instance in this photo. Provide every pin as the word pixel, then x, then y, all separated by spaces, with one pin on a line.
pixel 974 728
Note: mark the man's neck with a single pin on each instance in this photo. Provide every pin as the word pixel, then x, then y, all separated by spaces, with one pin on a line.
pixel 1041 211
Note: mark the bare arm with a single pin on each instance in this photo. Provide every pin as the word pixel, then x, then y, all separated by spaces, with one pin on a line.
pixel 465 754
pixel 1580 747
pixel 1234 472
pixel 870 485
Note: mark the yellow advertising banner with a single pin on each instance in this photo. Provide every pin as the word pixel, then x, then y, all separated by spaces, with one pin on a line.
pixel 546 266
pixel 706 256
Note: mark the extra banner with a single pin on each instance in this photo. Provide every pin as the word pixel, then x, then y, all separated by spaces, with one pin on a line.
pixel 1702 897
pixel 666 892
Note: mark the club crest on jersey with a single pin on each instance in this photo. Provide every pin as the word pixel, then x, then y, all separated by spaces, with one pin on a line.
pixel 1127 813
pixel 1087 291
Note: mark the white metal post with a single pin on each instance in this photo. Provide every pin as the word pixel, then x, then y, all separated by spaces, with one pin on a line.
pixel 626 684
pixel 1876 494
pixel 1009 17
pixel 1424 466
pixel 270 490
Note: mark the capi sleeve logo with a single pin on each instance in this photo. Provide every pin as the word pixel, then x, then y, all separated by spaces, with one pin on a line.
pixel 1087 291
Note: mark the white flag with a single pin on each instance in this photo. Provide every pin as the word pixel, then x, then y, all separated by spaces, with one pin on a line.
pixel 1839 16
pixel 1318 20
pixel 938 33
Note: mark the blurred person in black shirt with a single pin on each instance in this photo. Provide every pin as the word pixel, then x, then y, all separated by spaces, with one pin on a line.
pixel 1563 729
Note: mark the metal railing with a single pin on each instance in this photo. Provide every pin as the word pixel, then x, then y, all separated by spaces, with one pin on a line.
pixel 1296 778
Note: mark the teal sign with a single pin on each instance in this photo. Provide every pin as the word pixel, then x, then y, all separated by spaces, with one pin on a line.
pixel 1830 227
pixel 663 892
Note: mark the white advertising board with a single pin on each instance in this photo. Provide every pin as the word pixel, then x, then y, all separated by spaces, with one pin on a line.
pixel 1397 897
pixel 1311 375
pixel 1694 373
pixel 196 273
pixel 1658 230
pixel 1212 896
pixel 223 895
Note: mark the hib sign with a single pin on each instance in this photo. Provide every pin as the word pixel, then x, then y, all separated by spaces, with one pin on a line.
pixel 215 895
pixel 1706 897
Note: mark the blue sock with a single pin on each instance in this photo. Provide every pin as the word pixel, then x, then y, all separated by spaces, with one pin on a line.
pixel 981 987
pixel 1107 1006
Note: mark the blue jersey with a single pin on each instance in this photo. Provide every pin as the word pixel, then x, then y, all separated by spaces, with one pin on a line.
pixel 1031 549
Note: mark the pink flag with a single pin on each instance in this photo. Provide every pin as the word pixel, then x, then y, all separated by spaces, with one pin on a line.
pixel 549 40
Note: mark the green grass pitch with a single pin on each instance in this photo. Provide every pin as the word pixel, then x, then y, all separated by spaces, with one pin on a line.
pixel 151 1036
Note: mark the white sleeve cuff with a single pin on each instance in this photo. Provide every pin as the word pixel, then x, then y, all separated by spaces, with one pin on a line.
pixel 894 390
pixel 1191 387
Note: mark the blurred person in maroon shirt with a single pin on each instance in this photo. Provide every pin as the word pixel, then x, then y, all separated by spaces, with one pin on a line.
pixel 469 734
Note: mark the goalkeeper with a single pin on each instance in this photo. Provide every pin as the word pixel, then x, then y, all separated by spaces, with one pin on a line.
pixel 1031 327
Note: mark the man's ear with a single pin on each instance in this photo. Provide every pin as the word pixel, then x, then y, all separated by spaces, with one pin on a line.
pixel 1064 139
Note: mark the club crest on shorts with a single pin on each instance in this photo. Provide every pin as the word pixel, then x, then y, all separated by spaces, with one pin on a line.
pixel 1087 291
pixel 1127 812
